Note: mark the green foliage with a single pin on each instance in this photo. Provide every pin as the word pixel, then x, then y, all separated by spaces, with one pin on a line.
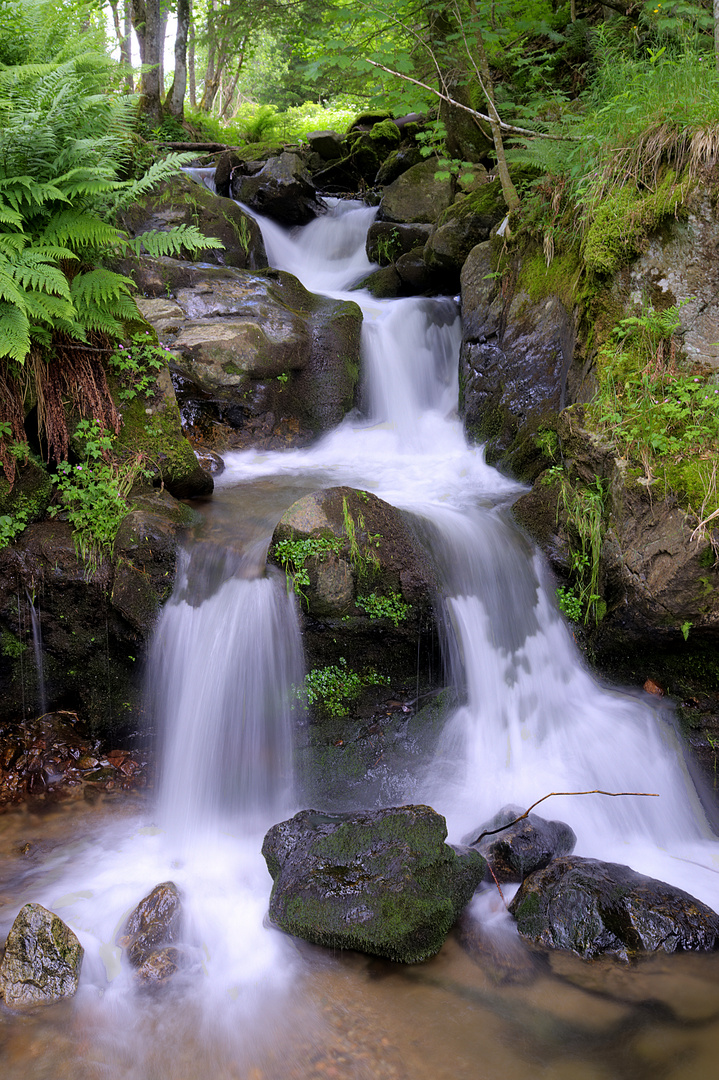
pixel 385 607
pixel 570 604
pixel 12 525
pixel 331 689
pixel 63 144
pixel 94 492
pixel 362 556
pixel 583 507
pixel 387 247
pixel 137 365
pixel 292 555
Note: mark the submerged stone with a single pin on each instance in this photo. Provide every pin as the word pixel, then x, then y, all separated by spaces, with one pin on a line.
pixel 383 882
pixel 42 960
pixel 594 907
pixel 150 935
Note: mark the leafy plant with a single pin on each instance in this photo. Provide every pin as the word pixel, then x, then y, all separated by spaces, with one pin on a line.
pixel 569 603
pixel 94 492
pixel 332 688
pixel 385 607
pixel 137 365
pixel 584 509
pixel 292 556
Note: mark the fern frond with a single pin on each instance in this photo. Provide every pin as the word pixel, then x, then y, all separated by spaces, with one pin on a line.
pixel 47 308
pixel 156 174
pixel 80 230
pixel 14 332
pixel 99 286
pixel 41 277
pixel 158 243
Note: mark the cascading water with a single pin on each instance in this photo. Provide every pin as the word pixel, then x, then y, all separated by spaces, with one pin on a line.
pixel 224 662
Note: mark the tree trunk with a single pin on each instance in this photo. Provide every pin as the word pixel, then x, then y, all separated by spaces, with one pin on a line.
pixel 191 61
pixel 210 86
pixel 508 189
pixel 716 33
pixel 146 23
pixel 230 92
pixel 175 100
pixel 126 47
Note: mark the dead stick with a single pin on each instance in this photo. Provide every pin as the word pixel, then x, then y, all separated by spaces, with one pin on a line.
pixel 595 791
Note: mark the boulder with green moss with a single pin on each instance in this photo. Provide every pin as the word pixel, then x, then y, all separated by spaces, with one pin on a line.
pixel 182 201
pixel 282 190
pixel 42 961
pixel 467 222
pixel 257 355
pixel 95 624
pixel 383 882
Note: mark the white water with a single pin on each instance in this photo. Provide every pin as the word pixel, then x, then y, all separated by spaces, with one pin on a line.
pixel 534 721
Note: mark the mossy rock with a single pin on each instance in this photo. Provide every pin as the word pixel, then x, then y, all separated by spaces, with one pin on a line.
pixel 416 196
pixel 383 882
pixel 30 493
pixel 365 121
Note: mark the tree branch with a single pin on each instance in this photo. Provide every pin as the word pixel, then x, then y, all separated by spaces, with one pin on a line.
pixel 595 791
pixel 510 128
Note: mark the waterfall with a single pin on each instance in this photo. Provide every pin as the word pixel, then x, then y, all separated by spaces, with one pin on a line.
pixel 37 652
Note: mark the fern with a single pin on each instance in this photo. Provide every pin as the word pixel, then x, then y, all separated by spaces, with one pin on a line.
pixel 158 243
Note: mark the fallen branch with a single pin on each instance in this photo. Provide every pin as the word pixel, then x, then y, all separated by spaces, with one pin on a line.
pixel 595 791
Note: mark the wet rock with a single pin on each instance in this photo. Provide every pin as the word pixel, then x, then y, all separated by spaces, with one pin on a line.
pixel 519 849
pixel 383 882
pixel 416 196
pixel 370 551
pixel 467 222
pixel 396 163
pixel 42 960
pixel 282 190
pixel 255 352
pixel 30 493
pixel 182 201
pixel 592 908
pixel 384 284
pixel 150 935
pixel 386 241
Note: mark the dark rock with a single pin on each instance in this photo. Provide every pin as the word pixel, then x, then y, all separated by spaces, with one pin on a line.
pixel 416 196
pixel 328 144
pixel 386 561
pixel 42 960
pixel 384 284
pixel 520 849
pixel 30 493
pixel 396 163
pixel 464 139
pixel 181 201
pixel 282 190
pixel 386 241
pixel 383 882
pixel 591 908
pixel 227 162
pixel 151 932
pixel 418 279
pixel 467 222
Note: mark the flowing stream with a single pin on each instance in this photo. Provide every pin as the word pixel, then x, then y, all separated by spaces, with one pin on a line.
pixel 227 653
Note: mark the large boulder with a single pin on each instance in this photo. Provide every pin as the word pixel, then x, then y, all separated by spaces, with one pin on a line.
pixel 416 196
pixel 386 241
pixel 383 882
pixel 516 354
pixel 42 960
pixel 182 201
pixel 514 850
pixel 282 190
pixel 467 222
pixel 367 588
pixel 95 627
pixel 260 354
pixel 594 908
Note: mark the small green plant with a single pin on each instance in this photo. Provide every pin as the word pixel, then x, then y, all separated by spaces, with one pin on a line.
pixel 685 628
pixel 388 246
pixel 330 689
pixel 283 379
pixel 137 365
pixel 94 492
pixel 293 554
pixel 570 604
pixel 12 525
pixel 432 141
pixel 364 561
pixel 243 234
pixel 385 607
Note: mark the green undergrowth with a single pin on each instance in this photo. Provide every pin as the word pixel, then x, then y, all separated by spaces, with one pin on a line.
pixel 658 411
pixel 583 508
pixel 331 689
pixel 390 607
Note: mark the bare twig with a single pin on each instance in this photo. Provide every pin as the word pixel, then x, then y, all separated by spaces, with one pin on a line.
pixel 595 791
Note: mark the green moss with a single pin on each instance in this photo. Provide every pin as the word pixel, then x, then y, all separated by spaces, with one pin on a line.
pixel 560 278
pixel 623 220
pixel 386 130
pixel 159 436
pixel 692 481
pixel 11 646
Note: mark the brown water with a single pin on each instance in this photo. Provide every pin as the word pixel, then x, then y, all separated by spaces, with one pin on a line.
pixel 500 1010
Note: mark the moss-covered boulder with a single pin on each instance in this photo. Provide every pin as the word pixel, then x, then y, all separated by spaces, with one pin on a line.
pixel 386 241
pixel 256 353
pixel 366 586
pixel 29 496
pixel 42 961
pixel 595 908
pixel 95 626
pixel 383 882
pixel 416 196
pixel 181 201
pixel 396 163
pixel 467 222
